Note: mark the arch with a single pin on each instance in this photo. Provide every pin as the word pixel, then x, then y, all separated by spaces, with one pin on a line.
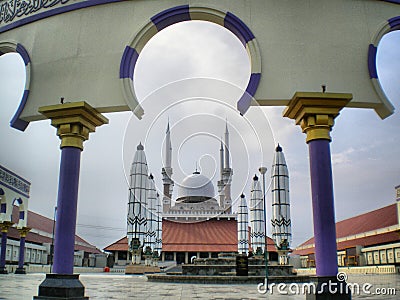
pixel 188 13
pixel 390 25
pixel 12 47
pixel 22 212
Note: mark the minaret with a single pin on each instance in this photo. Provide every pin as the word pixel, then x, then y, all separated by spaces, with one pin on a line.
pixel 158 246
pixel 137 219
pixel 243 226
pixel 281 224
pixel 227 175
pixel 221 157
pixel 226 146
pixel 167 172
pixel 151 213
pixel 221 184
pixel 257 233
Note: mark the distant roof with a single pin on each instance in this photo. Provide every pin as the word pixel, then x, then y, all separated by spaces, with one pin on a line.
pixel 44 224
pixel 370 221
pixel 206 236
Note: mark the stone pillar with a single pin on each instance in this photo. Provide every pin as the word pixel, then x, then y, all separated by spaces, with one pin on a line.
pixel 315 113
pixel 74 121
pixel 22 232
pixel 186 257
pixel 4 230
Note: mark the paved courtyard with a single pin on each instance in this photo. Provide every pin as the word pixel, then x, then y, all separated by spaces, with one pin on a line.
pixel 112 286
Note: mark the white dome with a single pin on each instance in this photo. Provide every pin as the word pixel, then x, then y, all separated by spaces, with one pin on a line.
pixel 195 188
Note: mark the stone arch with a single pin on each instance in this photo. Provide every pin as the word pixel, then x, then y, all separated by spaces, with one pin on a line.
pixel 22 212
pixel 12 47
pixel 189 13
pixel 390 25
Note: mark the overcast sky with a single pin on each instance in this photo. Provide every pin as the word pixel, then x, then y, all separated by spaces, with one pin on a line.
pixel 365 149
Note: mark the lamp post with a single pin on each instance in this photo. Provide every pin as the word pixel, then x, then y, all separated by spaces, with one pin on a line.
pixel 263 170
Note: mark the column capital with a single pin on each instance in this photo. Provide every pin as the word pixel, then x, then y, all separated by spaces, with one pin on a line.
pixel 74 121
pixel 315 112
pixel 24 231
pixel 5 225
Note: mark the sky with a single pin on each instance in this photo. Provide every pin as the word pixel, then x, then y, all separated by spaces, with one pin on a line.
pixel 175 65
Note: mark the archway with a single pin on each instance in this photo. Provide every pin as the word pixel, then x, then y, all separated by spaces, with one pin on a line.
pixel 389 26
pixel 12 47
pixel 180 14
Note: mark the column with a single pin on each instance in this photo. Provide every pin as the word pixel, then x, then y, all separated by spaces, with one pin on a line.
pixel 186 257
pixel 4 230
pixel 22 232
pixel 315 113
pixel 74 121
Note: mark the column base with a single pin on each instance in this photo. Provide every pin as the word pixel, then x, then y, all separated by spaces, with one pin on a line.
pixel 329 288
pixel 3 270
pixel 61 286
pixel 20 271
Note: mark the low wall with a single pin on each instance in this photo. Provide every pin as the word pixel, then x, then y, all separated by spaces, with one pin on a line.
pixel 388 269
pixel 46 269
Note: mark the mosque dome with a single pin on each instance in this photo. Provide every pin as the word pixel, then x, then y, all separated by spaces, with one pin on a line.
pixel 195 188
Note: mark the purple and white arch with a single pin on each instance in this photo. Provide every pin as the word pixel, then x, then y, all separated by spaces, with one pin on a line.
pixel 22 221
pixel 11 47
pixel 390 25
pixel 187 13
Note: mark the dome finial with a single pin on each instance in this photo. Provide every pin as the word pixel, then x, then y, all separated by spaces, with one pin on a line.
pixel 140 146
pixel 255 178
pixel 196 171
pixel 278 148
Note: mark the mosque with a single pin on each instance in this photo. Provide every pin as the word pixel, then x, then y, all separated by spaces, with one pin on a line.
pixel 200 222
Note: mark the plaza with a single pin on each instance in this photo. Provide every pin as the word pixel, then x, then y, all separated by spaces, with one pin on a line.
pixel 116 286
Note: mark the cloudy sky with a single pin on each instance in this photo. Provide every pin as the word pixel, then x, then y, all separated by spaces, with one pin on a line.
pixel 365 149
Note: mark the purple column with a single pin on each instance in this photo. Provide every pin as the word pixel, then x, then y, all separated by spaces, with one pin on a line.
pixel 66 210
pixel 21 253
pixel 323 208
pixel 3 250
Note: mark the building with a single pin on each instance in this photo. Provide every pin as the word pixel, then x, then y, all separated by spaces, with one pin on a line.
pixel 199 222
pixel 372 238
pixel 182 241
pixel 39 240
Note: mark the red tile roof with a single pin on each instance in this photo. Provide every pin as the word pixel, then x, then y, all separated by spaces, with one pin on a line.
pixel 120 245
pixel 205 236
pixel 370 221
pixel 44 224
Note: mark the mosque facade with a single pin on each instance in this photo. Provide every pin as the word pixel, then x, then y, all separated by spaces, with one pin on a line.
pixel 198 221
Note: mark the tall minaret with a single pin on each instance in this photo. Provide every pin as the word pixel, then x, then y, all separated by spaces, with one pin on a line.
pixel 227 175
pixel 167 172
pixel 151 213
pixel 158 246
pixel 257 221
pixel 281 223
pixel 243 226
pixel 137 219
pixel 226 146
pixel 221 183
